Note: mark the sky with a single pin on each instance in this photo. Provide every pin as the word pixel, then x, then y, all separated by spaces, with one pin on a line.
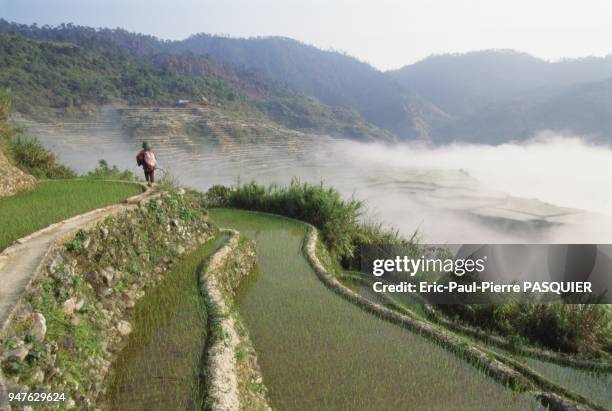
pixel 385 33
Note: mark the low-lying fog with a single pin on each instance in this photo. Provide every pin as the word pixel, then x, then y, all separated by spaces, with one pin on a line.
pixel 549 189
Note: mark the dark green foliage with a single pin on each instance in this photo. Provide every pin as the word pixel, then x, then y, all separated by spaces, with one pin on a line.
pixel 61 75
pixel 575 328
pixel 218 196
pixel 322 207
pixel 71 68
pixel 333 78
pixel 103 171
pixel 299 112
pixel 5 110
pixel 337 219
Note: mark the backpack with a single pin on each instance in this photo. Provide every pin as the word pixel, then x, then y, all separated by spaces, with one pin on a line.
pixel 150 160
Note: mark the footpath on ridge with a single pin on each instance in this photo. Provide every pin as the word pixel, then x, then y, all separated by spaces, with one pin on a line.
pixel 20 262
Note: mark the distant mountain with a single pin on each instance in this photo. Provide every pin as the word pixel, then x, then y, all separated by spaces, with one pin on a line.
pixel 333 78
pixel 461 84
pixel 484 96
pixel 583 109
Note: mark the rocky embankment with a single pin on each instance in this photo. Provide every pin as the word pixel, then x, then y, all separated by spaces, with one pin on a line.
pixel 12 179
pixel 76 313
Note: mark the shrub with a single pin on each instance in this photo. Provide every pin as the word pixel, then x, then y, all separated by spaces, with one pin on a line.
pixel 5 110
pixel 103 171
pixel 29 155
pixel 218 196
pixel 584 329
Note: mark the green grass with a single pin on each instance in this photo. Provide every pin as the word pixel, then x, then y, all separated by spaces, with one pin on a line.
pixel 319 351
pixel 159 367
pixel 53 201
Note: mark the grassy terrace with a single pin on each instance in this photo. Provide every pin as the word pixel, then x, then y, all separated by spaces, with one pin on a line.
pixel 317 350
pixel 53 201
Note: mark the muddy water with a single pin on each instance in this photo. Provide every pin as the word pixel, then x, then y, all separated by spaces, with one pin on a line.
pixel 318 351
pixel 447 204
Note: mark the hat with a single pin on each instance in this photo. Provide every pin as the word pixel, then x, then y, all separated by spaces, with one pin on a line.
pixel 145 145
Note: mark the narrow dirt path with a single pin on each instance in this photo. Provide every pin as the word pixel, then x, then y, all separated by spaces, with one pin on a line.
pixel 20 263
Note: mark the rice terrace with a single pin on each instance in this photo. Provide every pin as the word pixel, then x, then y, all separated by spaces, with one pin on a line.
pixel 187 221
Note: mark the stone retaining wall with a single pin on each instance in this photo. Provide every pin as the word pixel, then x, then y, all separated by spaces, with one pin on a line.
pixel 12 179
pixel 234 378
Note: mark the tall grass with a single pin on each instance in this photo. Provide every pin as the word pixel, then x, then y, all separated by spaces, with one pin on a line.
pixel 30 156
pixel 106 172
pixel 338 219
pixel 5 110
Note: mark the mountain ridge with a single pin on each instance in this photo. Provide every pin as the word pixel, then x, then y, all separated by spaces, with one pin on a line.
pixel 489 96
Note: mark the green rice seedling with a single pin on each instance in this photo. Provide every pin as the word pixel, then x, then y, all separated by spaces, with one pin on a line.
pixel 162 362
pixel 593 385
pixel 319 351
pixel 52 201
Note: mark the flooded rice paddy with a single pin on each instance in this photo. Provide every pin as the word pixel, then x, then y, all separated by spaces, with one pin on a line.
pixel 160 366
pixel 315 349
pixel 318 351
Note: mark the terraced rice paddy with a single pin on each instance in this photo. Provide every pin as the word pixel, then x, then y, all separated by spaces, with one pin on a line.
pixel 159 368
pixel 22 214
pixel 318 351
pixel 595 386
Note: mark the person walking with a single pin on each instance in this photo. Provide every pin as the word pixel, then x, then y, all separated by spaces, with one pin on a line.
pixel 146 159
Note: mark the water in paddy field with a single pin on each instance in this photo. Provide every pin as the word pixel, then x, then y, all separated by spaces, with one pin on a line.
pixel 547 190
pixel 318 351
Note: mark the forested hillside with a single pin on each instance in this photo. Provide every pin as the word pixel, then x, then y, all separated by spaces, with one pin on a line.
pixel 334 78
pixel 497 96
pixel 72 68
pixel 490 96
pixel 583 109
pixel 486 96
pixel 61 75
pixel 464 83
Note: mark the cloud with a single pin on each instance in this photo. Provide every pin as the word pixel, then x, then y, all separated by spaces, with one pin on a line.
pixel 460 193
pixel 472 193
